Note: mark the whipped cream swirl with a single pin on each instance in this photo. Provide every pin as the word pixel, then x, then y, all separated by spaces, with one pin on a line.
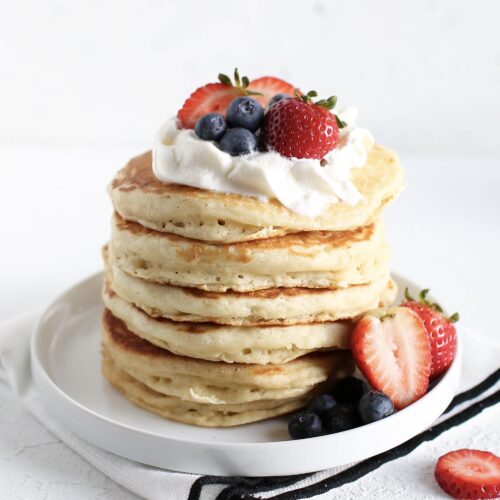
pixel 301 185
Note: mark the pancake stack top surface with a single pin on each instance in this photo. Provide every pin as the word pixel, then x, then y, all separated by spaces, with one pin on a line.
pixel 224 308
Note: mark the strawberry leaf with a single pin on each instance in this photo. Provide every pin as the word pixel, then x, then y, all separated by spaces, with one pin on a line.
pixel 340 123
pixel 225 79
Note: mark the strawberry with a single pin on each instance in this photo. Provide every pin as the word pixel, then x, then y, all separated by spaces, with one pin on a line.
pixel 269 86
pixel 211 98
pixel 299 128
pixel 392 350
pixel 441 331
pixel 469 474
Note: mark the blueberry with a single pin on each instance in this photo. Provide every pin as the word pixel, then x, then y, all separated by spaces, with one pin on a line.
pixel 321 404
pixel 304 424
pixel 349 390
pixel 341 417
pixel 374 406
pixel 278 97
pixel 210 127
pixel 238 141
pixel 245 112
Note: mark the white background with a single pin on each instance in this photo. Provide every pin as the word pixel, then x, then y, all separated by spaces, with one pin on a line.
pixel 85 84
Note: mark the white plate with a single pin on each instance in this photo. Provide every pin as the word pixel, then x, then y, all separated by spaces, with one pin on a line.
pixel 65 355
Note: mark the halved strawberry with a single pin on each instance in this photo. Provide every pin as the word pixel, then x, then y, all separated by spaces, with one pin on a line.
pixel 442 332
pixel 269 86
pixel 469 474
pixel 392 350
pixel 211 98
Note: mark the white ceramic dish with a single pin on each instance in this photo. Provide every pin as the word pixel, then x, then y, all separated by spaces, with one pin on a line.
pixel 65 354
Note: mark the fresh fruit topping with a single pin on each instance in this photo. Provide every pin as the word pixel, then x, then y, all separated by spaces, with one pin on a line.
pixel 392 350
pixel 341 417
pixel 245 112
pixel 210 127
pixel 299 128
pixel 277 98
pixel 238 141
pixel 304 424
pixel 269 86
pixel 441 331
pixel 213 98
pixel 374 406
pixel 349 390
pixel 469 474
pixel 321 404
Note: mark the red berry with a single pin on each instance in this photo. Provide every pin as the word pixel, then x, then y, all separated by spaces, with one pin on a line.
pixel 392 350
pixel 211 98
pixel 269 86
pixel 441 331
pixel 298 129
pixel 469 474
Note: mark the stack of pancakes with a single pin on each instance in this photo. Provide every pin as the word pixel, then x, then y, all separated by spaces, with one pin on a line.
pixel 222 309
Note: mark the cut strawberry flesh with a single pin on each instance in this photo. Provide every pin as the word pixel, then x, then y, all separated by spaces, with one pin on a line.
pixel 469 474
pixel 392 349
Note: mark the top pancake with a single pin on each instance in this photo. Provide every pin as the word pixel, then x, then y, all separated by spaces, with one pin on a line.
pixel 222 217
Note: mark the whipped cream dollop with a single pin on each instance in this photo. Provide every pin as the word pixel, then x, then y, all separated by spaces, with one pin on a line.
pixel 302 185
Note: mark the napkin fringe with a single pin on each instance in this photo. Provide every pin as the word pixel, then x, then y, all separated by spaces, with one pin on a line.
pixel 245 487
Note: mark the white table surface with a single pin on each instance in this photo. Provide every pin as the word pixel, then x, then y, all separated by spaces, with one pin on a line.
pixel 444 231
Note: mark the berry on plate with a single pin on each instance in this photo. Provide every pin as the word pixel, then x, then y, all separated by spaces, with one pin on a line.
pixel 269 87
pixel 392 350
pixel 341 417
pixel 349 390
pixel 374 406
pixel 210 127
pixel 441 331
pixel 469 474
pixel 304 424
pixel 300 128
pixel 245 112
pixel 321 404
pixel 238 141
pixel 213 98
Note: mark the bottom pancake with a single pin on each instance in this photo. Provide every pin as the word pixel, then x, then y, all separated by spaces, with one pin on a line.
pixel 212 394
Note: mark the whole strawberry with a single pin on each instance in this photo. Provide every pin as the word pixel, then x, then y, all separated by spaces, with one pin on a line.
pixel 441 331
pixel 299 128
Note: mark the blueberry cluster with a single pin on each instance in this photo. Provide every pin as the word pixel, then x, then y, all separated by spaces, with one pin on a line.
pixel 350 404
pixel 237 134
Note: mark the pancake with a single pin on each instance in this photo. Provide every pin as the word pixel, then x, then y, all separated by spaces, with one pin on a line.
pixel 231 344
pixel 187 412
pixel 273 306
pixel 316 259
pixel 207 393
pixel 214 382
pixel 221 217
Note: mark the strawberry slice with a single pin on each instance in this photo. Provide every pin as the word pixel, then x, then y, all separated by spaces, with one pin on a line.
pixel 211 98
pixel 392 350
pixel 269 86
pixel 469 474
